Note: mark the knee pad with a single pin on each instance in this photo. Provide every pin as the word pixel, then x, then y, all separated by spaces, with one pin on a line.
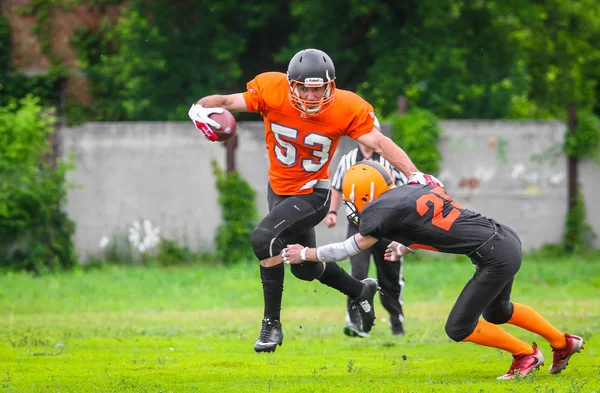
pixel 307 271
pixel 499 314
pixel 265 243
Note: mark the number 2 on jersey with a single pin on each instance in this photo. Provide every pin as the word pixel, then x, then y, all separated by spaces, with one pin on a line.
pixel 287 153
pixel 438 198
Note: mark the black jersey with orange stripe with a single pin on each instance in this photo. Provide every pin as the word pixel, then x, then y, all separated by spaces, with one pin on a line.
pixel 425 217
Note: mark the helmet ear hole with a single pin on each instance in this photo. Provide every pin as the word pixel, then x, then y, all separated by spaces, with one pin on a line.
pixel 364 182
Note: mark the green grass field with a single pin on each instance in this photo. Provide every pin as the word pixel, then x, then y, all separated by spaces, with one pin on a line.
pixel 191 329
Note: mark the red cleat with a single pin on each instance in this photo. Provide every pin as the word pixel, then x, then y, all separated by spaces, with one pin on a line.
pixel 523 365
pixel 562 356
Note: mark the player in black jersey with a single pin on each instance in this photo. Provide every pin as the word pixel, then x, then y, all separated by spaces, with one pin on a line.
pixel 424 217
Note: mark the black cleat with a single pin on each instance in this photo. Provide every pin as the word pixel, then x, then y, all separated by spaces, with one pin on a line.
pixel 364 304
pixel 271 335
pixel 353 324
pixel 397 327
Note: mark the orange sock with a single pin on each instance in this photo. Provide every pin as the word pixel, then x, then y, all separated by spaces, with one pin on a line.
pixel 491 335
pixel 527 318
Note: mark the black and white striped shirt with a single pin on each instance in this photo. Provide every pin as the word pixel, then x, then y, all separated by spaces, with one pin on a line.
pixel 354 156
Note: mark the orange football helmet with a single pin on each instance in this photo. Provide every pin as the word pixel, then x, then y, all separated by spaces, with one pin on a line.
pixel 362 183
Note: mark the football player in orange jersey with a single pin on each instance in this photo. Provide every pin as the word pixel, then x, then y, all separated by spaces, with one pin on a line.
pixel 305 116
pixel 423 216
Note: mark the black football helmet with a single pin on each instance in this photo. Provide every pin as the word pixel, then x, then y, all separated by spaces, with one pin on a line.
pixel 311 68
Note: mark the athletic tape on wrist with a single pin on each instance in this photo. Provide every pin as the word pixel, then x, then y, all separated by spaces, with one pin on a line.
pixel 303 253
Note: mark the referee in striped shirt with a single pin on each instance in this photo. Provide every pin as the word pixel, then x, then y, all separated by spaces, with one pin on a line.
pixel 389 274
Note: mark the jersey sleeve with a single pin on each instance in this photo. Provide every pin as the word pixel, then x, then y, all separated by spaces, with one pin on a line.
pixel 370 225
pixel 252 95
pixel 267 91
pixel 364 119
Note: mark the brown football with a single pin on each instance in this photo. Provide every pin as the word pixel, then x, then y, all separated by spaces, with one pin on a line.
pixel 228 125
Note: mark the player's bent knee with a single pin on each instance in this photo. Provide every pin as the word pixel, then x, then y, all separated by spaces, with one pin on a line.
pixel 263 244
pixel 500 314
pixel 307 271
pixel 458 332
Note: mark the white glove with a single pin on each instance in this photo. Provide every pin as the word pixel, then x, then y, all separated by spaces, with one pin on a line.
pixel 200 113
pixel 201 118
pixel 425 179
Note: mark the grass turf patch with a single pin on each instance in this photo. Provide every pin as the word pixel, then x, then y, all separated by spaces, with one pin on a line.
pixel 192 329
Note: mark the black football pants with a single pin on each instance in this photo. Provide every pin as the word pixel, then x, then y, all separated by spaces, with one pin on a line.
pixel 292 219
pixel 487 293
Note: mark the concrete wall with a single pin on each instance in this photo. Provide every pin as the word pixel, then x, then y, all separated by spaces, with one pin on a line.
pixel 491 167
pixel 128 172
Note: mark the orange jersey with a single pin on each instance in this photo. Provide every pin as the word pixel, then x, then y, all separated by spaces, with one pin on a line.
pixel 300 147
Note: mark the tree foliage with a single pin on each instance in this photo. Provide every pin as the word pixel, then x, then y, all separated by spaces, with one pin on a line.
pixel 240 216
pixel 161 56
pixel 418 132
pixel 585 141
pixel 35 232
pixel 490 59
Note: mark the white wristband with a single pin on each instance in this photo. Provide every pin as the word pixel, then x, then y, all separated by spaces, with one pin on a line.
pixel 399 250
pixel 303 253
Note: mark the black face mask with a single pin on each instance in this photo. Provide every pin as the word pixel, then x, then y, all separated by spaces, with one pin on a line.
pixel 353 215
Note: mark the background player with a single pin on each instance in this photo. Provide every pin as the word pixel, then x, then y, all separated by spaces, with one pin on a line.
pixel 305 116
pixel 389 274
pixel 420 216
